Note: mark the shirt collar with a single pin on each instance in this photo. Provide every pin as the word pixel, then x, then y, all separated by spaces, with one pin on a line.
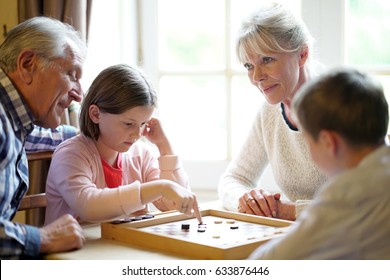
pixel 18 111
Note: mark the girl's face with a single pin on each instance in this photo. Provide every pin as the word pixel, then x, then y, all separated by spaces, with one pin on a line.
pixel 276 75
pixel 119 131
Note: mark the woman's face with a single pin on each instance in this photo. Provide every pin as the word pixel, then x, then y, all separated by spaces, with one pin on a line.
pixel 276 75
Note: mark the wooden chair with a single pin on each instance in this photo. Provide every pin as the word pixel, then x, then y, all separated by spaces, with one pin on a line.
pixel 46 155
pixel 34 202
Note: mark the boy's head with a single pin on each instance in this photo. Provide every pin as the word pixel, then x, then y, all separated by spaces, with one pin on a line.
pixel 345 102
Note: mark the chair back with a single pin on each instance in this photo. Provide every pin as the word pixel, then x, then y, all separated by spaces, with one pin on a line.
pixel 34 202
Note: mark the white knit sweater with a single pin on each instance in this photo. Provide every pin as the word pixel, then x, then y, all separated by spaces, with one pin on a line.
pixel 272 141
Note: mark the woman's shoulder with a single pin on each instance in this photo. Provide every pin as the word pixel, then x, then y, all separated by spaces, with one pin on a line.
pixel 268 114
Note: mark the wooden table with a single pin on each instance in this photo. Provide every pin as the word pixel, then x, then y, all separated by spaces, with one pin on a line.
pixel 98 248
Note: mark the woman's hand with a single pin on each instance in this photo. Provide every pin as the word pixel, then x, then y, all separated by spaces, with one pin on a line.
pixel 261 203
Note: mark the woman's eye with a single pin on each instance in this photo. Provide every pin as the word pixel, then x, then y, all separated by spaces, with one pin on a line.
pixel 267 60
pixel 248 66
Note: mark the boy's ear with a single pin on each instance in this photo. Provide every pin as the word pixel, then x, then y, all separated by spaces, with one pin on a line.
pixel 329 141
pixel 94 113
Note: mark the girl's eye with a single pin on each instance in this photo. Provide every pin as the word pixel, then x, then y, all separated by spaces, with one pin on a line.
pixel 248 66
pixel 129 124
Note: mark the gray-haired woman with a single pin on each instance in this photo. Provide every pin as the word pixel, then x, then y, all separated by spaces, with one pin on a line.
pixel 275 47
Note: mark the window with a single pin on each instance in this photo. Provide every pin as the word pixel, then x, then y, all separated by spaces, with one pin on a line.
pixel 368 37
pixel 205 99
pixel 186 48
pixel 351 32
pixel 112 40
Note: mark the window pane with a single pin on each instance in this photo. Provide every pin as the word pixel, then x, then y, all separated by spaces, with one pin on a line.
pixel 97 46
pixel 191 34
pixel 203 91
pixel 385 79
pixel 110 41
pixel 368 37
pixel 193 112
pixel 368 32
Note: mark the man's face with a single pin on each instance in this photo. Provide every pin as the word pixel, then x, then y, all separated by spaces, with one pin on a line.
pixel 54 87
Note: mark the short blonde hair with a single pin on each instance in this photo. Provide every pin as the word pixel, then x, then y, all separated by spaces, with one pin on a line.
pixel 272 28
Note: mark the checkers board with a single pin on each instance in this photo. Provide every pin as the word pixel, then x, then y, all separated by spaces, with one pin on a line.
pixel 223 235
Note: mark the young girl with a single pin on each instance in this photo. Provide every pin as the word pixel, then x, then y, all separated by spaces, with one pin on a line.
pixel 105 173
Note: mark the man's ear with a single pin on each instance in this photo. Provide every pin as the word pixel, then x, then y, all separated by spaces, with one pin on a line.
pixel 303 55
pixel 26 64
pixel 94 113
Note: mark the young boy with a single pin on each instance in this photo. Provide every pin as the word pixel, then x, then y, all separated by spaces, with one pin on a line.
pixel 344 118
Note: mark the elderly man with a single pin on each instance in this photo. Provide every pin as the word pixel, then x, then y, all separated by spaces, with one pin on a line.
pixel 40 66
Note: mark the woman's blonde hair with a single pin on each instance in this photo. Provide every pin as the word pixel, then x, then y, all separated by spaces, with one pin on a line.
pixel 273 28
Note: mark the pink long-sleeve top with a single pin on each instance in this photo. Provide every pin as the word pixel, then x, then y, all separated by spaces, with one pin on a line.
pixel 76 183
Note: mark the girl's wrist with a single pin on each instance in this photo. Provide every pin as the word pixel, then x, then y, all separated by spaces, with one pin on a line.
pixel 165 149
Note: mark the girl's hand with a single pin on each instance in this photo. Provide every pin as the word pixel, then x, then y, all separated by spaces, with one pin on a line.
pixel 156 135
pixel 154 132
pixel 181 200
pixel 172 195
